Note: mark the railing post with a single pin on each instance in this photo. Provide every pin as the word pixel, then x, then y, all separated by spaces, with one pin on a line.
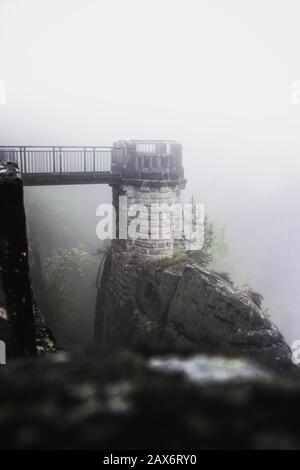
pixel 60 160
pixel 53 156
pixel 21 162
pixel 25 158
pixel 94 159
pixel 84 159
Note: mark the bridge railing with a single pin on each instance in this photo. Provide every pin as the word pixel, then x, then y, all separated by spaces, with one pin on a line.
pixel 59 160
pixel 142 160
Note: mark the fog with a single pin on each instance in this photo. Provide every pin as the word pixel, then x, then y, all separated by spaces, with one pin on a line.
pixel 216 76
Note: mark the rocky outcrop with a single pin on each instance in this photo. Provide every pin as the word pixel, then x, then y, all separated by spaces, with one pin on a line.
pixel 45 340
pixel 17 329
pixel 122 401
pixel 177 306
pixel 22 326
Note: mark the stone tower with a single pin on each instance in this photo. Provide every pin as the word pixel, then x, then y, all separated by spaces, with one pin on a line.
pixel 152 176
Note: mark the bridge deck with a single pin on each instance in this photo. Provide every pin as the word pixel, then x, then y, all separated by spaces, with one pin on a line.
pixel 57 179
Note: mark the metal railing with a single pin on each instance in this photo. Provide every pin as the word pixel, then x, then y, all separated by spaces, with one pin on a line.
pixel 148 160
pixel 58 160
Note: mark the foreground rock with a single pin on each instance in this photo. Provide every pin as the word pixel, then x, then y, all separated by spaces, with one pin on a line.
pixel 122 401
pixel 177 306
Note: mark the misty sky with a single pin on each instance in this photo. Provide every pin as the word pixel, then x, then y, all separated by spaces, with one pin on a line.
pixel 215 75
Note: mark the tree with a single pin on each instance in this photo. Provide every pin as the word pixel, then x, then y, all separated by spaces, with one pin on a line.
pixel 204 256
pixel 214 243
pixel 62 270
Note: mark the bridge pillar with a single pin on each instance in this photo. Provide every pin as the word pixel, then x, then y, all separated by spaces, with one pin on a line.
pixel 152 177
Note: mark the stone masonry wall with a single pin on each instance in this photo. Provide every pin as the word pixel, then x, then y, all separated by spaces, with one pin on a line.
pixel 127 255
pixel 157 228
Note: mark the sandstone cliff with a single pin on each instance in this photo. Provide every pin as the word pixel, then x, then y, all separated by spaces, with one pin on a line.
pixel 177 306
pixel 21 324
pixel 17 329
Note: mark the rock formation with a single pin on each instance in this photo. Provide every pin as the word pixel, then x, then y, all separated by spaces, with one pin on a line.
pixel 18 329
pixel 120 401
pixel 21 325
pixel 153 296
pixel 177 306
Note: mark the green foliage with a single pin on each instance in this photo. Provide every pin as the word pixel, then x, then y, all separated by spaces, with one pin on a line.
pixel 256 297
pixel 219 243
pixel 63 269
pixel 214 245
pixel 165 262
pixel 205 256
pixel 225 276
pixel 144 325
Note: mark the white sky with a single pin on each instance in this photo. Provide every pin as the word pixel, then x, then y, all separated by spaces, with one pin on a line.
pixel 215 75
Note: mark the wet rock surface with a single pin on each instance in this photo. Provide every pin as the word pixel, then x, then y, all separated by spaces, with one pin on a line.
pixel 208 369
pixel 177 306
pixel 118 401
